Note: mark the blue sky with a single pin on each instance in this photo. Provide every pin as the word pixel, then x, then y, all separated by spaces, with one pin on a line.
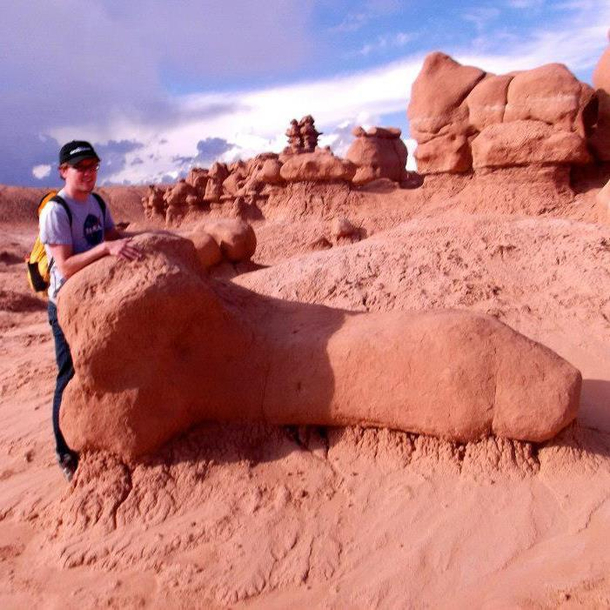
pixel 159 86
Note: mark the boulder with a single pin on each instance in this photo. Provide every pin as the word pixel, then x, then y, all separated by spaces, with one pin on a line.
pixel 318 166
pixel 378 153
pixel 550 93
pixel 159 346
pixel 342 227
pixel 235 238
pixel 208 250
pixel 448 153
pixel 527 142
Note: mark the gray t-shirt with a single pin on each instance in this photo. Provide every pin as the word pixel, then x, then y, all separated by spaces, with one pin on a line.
pixel 87 230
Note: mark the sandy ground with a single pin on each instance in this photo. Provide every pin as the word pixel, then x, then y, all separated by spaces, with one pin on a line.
pixel 265 517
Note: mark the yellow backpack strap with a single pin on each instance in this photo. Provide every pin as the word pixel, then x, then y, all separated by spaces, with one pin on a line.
pixel 53 196
pixel 45 199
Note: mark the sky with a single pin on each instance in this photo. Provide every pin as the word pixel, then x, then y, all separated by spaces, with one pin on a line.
pixel 160 86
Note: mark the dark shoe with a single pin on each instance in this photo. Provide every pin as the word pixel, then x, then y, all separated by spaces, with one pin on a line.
pixel 68 462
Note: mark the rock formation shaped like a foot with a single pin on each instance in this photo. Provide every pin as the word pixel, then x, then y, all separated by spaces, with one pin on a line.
pixel 159 347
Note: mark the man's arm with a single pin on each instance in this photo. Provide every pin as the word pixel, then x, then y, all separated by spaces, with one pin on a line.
pixel 69 263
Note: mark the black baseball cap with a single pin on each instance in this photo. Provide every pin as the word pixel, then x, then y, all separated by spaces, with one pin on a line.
pixel 76 151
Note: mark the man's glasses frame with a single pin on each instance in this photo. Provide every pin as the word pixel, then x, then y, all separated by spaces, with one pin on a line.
pixel 82 169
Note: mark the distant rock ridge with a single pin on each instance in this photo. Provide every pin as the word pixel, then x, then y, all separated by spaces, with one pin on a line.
pixel 238 189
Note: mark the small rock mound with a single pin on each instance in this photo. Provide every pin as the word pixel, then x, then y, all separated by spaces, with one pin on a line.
pixel 378 153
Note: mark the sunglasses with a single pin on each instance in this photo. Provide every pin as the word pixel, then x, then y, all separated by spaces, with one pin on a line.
pixel 89 167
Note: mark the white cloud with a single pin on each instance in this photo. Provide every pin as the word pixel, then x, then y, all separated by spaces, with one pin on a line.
pixel 41 171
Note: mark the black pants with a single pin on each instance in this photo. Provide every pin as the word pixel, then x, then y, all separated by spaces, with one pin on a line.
pixel 65 372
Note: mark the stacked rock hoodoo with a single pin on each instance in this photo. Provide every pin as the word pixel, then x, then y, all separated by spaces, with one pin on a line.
pixel 466 119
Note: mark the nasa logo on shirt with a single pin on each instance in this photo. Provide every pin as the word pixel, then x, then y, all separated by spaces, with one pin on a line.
pixel 94 233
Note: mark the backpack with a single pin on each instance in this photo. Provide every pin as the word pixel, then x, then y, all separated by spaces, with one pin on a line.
pixel 38 267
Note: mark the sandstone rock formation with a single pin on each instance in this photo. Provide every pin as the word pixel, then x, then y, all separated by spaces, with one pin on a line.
pixel 319 166
pixel 295 143
pixel 233 183
pixel 464 118
pixel 378 153
pixel 208 250
pixel 266 170
pixel 510 144
pixel 235 238
pixel 309 134
pixel 178 199
pixel 600 139
pixel 198 179
pixel 218 239
pixel 159 347
pixel 302 136
pixel 154 203
pixel 217 174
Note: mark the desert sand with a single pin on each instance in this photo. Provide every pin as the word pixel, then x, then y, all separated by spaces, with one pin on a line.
pixel 257 515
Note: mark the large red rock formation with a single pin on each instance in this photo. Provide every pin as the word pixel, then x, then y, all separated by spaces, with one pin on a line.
pixel 464 118
pixel 159 347
pixel 378 153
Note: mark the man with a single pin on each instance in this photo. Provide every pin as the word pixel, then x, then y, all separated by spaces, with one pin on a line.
pixel 73 241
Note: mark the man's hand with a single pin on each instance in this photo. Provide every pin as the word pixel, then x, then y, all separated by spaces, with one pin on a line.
pixel 122 248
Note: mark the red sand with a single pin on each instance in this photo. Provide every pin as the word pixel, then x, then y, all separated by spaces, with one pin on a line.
pixel 264 517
